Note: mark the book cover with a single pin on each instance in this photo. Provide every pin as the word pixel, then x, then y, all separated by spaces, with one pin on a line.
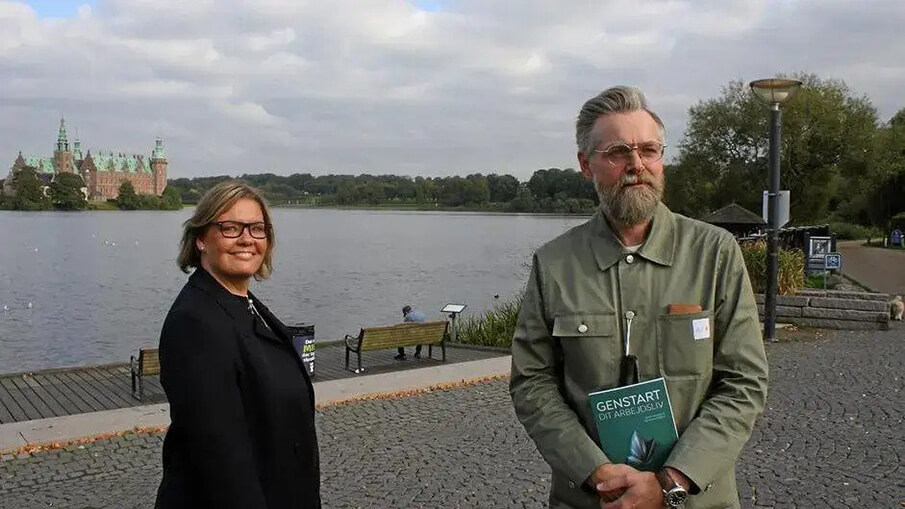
pixel 635 424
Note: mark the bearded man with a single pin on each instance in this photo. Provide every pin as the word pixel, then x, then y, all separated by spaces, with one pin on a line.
pixel 673 288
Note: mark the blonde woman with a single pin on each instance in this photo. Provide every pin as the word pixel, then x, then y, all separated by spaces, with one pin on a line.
pixel 241 402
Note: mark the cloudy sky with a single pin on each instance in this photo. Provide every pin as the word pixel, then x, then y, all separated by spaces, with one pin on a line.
pixel 413 87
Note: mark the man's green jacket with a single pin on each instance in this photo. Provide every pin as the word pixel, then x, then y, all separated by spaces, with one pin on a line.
pixel 569 342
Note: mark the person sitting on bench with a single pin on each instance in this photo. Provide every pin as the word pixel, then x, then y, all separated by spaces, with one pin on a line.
pixel 410 315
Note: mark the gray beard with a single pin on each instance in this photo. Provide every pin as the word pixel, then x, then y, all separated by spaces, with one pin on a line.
pixel 629 206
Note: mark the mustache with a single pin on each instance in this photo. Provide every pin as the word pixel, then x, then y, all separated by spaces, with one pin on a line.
pixel 629 179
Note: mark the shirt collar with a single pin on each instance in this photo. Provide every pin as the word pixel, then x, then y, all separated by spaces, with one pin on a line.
pixel 658 247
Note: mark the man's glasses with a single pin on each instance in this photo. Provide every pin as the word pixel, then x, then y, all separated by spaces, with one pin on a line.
pixel 234 229
pixel 620 154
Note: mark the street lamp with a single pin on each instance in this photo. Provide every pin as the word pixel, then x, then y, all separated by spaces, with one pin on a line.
pixel 774 92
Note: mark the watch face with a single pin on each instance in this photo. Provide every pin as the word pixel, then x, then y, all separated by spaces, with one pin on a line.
pixel 676 497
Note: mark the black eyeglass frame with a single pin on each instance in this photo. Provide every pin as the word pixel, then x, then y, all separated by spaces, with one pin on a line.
pixel 221 225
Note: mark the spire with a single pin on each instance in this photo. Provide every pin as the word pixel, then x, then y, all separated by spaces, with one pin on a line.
pixel 158 152
pixel 77 147
pixel 62 139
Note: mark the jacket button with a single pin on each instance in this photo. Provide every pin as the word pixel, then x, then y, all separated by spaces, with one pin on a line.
pixel 629 259
pixel 706 488
pixel 571 484
pixel 582 328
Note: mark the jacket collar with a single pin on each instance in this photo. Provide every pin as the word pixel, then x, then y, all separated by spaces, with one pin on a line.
pixel 659 246
pixel 234 306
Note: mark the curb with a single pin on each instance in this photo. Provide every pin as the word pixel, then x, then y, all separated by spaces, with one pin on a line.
pixel 858 283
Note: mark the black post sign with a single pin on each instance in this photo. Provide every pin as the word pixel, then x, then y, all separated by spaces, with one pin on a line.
pixel 302 336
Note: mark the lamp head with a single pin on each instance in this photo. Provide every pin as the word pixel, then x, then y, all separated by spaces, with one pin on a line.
pixel 775 90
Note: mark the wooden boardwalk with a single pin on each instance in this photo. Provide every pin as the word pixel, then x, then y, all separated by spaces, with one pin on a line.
pixel 69 391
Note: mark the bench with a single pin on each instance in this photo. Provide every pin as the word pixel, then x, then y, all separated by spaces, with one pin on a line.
pixel 394 336
pixel 147 364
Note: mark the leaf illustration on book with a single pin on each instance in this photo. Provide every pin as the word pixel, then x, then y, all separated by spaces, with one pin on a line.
pixel 641 450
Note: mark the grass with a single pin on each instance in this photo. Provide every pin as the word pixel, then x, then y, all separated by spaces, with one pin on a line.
pixel 493 328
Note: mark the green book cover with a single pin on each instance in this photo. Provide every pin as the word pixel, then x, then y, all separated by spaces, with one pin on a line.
pixel 635 424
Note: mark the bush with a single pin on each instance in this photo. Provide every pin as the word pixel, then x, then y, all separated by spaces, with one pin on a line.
pixel 790 273
pixel 493 328
pixel 850 231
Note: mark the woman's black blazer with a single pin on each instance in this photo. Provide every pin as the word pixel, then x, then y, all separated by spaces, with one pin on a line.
pixel 241 406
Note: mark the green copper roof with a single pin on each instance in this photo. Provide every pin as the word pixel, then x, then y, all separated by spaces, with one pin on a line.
pixel 41 163
pixel 62 134
pixel 109 161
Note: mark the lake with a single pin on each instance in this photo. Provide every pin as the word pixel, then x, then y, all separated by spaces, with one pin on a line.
pixel 92 287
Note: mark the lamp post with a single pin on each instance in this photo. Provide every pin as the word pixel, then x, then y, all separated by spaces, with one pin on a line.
pixel 774 92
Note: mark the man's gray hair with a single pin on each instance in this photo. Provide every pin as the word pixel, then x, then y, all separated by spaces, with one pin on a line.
pixel 619 99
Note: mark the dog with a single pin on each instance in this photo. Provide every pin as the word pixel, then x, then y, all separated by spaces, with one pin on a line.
pixel 896 308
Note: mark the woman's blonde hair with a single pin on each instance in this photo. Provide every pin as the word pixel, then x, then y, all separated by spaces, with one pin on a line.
pixel 215 202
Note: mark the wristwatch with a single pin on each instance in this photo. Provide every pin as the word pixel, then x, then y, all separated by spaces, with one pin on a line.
pixel 674 495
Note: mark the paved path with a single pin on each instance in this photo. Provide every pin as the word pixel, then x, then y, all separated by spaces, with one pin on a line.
pixel 882 270
pixel 832 436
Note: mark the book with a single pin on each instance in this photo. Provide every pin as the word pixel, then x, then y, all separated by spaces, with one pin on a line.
pixel 635 424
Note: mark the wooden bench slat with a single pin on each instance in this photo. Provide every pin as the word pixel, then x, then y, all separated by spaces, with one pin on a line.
pixel 407 334
pixel 400 335
pixel 149 361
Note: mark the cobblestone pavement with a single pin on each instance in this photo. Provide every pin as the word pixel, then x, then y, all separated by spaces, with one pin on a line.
pixel 832 436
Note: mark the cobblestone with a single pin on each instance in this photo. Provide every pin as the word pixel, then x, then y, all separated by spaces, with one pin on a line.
pixel 832 436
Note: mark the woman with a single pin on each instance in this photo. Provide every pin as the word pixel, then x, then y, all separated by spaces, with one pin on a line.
pixel 241 402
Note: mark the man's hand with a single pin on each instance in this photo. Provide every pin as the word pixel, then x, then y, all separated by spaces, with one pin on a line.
pixel 639 490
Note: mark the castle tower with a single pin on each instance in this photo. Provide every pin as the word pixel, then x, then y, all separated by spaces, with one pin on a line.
pixel 159 166
pixel 77 147
pixel 62 157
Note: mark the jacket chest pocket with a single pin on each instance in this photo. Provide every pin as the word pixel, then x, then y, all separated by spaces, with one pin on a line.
pixel 685 344
pixel 590 346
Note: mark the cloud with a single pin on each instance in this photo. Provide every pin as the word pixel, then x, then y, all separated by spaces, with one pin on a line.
pixel 410 87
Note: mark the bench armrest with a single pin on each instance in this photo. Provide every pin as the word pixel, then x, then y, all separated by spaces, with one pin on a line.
pixel 352 342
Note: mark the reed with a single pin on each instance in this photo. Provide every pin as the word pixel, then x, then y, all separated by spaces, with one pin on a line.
pixel 492 328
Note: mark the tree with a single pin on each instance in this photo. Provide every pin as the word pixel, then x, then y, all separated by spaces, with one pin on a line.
pixel 29 190
pixel 502 187
pixel 66 192
pixel 524 200
pixel 826 152
pixel 127 199
pixel 170 200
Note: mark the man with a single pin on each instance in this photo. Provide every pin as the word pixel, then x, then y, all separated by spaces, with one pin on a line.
pixel 683 287
pixel 410 315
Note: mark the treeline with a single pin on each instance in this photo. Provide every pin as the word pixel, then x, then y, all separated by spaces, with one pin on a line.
pixel 841 162
pixel 548 190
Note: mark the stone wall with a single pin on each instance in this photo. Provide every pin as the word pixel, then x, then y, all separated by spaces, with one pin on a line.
pixel 829 309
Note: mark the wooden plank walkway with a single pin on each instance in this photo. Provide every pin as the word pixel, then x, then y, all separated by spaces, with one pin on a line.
pixel 70 391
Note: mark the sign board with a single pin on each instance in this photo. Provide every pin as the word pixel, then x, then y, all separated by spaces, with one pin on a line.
pixel 896 237
pixel 302 337
pixel 783 216
pixel 819 247
pixel 453 308
pixel 833 261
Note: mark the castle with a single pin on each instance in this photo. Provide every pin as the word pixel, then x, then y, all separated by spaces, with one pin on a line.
pixel 103 171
